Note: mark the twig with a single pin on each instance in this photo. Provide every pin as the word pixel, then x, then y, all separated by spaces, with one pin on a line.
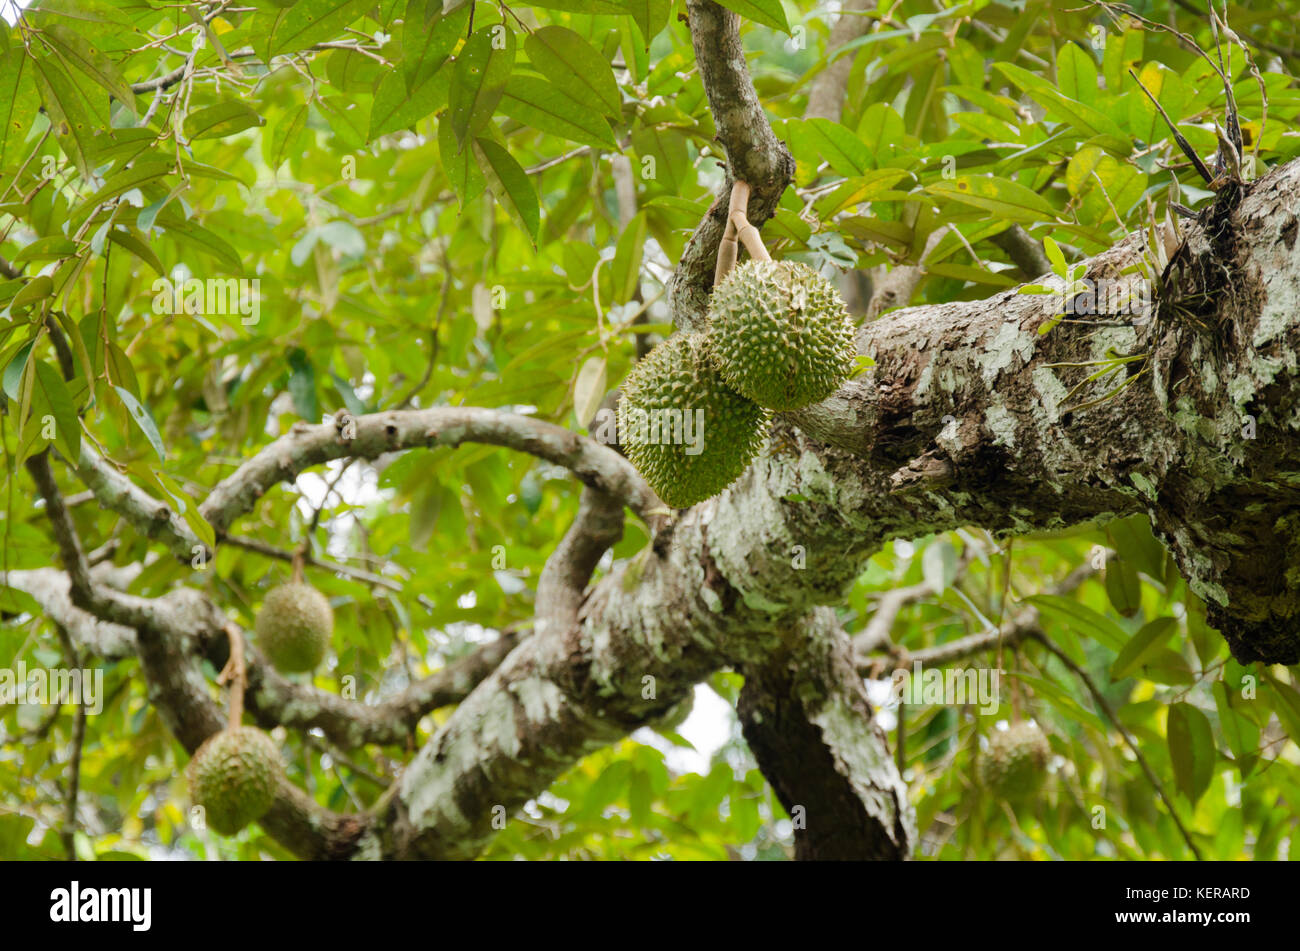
pixel 1102 702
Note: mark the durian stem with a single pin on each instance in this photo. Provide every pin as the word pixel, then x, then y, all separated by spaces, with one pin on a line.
pixel 235 673
pixel 727 253
pixel 298 557
pixel 738 218
pixel 738 229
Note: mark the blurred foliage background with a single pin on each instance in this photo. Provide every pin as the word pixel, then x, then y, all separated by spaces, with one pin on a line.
pixel 427 232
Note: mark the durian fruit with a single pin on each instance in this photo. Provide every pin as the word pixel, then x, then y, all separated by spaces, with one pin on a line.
pixel 1015 764
pixel 233 776
pixel 294 627
pixel 780 334
pixel 684 429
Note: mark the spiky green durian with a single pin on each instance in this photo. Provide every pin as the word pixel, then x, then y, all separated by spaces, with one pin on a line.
pixel 780 334
pixel 294 627
pixel 233 776
pixel 684 429
pixel 1015 764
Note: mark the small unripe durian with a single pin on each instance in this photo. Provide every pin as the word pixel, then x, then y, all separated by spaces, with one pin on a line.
pixel 780 334
pixel 233 776
pixel 1015 764
pixel 684 429
pixel 294 627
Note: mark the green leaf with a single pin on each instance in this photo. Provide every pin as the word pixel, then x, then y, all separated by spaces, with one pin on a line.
pixel 482 70
pixel 120 371
pixel 143 419
pixel 1004 198
pixel 651 16
pixel 69 120
pixel 1240 731
pixel 55 395
pixel 459 165
pixel 574 66
pixel 19 105
pixel 1081 116
pixel 509 184
pixel 1191 749
pixel 203 240
pixel 1076 73
pixel 1286 704
pixel 395 109
pixel 309 22
pixel 35 290
pixel 1081 619
pixel 589 390
pixel 134 177
pixel 225 118
pixel 1123 587
pixel 283 142
pixel 818 140
pixel 625 269
pixel 1057 257
pixel 540 105
pixel 1132 538
pixel 14 371
pixel 302 386
pixel 428 37
pixel 75 49
pixel 1146 641
pixel 767 12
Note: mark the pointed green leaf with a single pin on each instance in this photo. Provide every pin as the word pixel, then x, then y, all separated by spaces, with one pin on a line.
pixel 143 419
pixel 311 21
pixel 55 395
pixel 225 118
pixel 19 104
pixel 1191 749
pixel 1149 639
pixel 575 67
pixel 480 76
pixel 540 105
pixel 1123 587
pixel 428 37
pixel 651 16
pixel 75 50
pixel 767 12
pixel 459 165
pixel 395 109
pixel 509 185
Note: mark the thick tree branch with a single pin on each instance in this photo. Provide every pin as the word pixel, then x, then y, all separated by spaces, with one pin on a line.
pixel 151 517
pixel 806 718
pixel 274 701
pixel 1022 438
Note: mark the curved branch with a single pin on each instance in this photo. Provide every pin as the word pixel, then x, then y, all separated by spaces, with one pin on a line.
pixel 275 701
pixel 305 446
pixel 754 155
pixel 151 517
pixel 597 527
